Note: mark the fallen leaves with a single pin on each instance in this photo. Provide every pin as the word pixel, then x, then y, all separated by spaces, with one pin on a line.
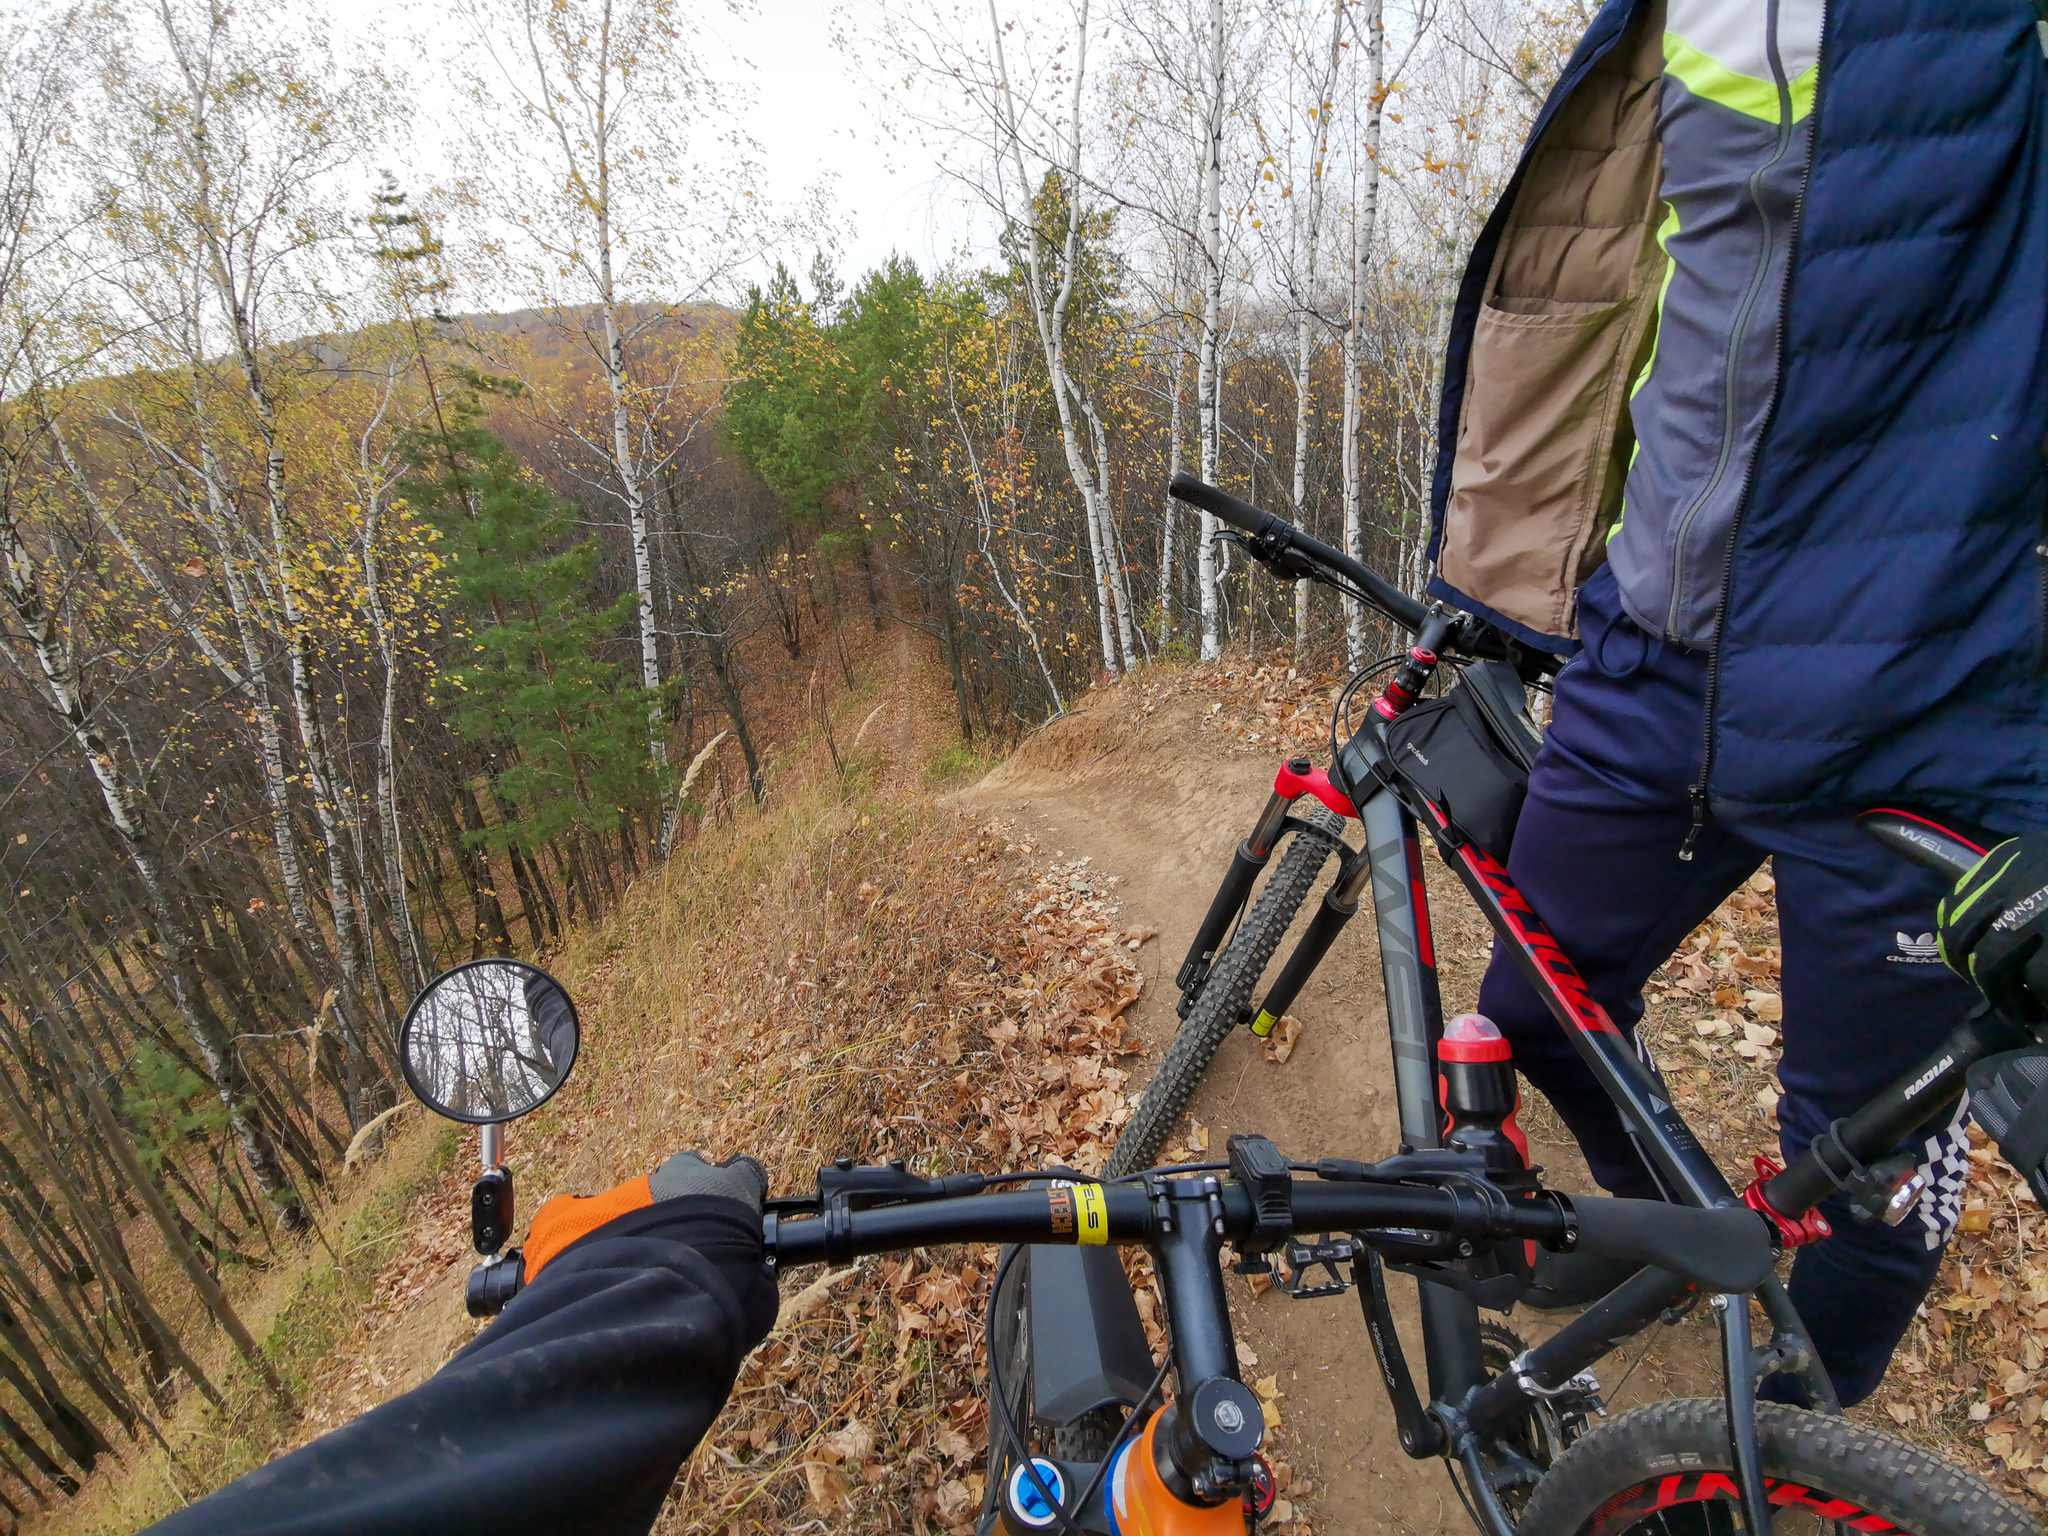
pixel 1967 1382
pixel 1280 1044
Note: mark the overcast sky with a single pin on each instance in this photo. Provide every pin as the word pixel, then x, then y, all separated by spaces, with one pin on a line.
pixel 804 100
pixel 814 114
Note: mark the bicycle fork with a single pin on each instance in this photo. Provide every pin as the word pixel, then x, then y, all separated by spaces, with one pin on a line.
pixel 1297 778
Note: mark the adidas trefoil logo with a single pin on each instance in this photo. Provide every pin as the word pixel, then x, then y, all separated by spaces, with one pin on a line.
pixel 1923 950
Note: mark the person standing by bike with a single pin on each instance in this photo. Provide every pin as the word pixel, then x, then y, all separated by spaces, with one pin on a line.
pixel 1746 401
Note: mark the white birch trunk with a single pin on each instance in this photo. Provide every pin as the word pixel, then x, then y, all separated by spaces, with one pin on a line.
pixel 1208 393
pixel 231 290
pixel 1112 622
pixel 52 677
pixel 1167 520
pixel 1306 243
pixel 1365 215
pixel 633 492
pixel 390 834
pixel 1112 539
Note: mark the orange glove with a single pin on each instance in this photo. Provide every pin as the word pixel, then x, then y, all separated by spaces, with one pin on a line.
pixel 566 1218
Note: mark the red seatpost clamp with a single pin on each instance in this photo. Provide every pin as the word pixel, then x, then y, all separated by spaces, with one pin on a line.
pixel 1793 1231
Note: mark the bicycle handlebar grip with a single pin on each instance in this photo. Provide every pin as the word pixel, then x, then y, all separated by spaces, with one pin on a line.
pixel 1241 515
pixel 1259 523
pixel 1728 1249
pixel 1926 843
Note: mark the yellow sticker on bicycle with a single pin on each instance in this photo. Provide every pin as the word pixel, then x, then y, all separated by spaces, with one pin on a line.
pixel 1262 1026
pixel 1094 1214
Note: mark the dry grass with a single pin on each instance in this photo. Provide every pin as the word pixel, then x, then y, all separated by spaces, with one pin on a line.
pixel 298 1310
pixel 853 979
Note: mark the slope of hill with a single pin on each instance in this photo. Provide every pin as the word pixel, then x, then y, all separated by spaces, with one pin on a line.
pixel 876 965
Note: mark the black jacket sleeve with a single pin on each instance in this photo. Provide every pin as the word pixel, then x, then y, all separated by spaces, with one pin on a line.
pixel 571 1413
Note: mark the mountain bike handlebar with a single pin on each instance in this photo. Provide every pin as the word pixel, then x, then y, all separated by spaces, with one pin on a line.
pixel 1280 535
pixel 1722 1250
pixel 1923 842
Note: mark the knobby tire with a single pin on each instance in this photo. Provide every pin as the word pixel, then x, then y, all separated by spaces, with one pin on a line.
pixel 1664 1470
pixel 1226 995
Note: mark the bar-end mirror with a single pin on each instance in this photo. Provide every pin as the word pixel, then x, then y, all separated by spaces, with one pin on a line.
pixel 488 1041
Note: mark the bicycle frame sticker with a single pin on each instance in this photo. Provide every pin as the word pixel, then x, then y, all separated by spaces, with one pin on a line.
pixel 1566 988
pixel 1060 1202
pixel 1094 1229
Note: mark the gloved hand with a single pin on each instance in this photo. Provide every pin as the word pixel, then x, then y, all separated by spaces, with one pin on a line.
pixel 566 1218
pixel 2009 1097
pixel 1994 926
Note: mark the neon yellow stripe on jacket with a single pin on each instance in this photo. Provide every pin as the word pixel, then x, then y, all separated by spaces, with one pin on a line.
pixel 1664 233
pixel 1711 80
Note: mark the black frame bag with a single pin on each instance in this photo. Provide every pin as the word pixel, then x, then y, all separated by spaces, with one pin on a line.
pixel 1470 752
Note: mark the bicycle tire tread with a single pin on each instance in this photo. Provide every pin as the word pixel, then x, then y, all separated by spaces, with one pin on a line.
pixel 1913 1488
pixel 1227 992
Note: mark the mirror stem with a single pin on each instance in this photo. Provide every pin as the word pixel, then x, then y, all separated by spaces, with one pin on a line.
pixel 494 1146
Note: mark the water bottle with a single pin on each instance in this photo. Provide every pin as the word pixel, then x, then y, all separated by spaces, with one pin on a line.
pixel 1477 1088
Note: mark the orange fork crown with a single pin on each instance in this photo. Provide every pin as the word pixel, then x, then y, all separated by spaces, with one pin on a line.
pixel 1139 1503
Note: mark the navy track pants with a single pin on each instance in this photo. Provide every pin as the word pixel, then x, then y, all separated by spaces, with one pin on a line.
pixel 1596 854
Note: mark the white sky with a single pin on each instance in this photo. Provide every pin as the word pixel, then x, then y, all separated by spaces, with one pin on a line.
pixel 806 101
pixel 815 114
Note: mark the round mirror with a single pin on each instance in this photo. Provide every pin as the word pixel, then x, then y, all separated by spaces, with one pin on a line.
pixel 488 1041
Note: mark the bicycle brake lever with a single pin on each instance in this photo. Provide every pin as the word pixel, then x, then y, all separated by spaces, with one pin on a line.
pixel 1431 1165
pixel 1285 563
pixel 857 1187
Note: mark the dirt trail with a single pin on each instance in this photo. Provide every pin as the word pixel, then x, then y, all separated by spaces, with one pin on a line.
pixel 915 711
pixel 1158 803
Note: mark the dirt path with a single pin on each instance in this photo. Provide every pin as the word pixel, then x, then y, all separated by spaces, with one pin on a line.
pixel 916 711
pixel 1158 802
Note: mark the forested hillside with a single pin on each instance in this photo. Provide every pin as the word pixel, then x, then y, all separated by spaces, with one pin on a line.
pixel 396 566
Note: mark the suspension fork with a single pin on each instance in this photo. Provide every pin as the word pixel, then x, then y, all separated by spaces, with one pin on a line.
pixel 1296 778
pixel 1339 906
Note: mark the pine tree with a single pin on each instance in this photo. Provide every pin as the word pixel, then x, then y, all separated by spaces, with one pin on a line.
pixel 539 681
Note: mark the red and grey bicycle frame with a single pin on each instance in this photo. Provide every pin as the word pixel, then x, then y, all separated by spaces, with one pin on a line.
pixel 1393 815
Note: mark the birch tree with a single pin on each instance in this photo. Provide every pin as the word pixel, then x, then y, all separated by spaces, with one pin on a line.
pixel 219 156
pixel 1087 462
pixel 1295 160
pixel 608 195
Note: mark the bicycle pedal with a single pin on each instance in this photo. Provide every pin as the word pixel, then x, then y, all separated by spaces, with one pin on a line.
pixel 1325 1254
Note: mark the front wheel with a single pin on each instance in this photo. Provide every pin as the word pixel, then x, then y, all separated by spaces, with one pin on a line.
pixel 1666 1470
pixel 1227 994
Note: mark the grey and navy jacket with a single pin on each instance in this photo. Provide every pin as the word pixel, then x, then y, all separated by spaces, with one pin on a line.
pixel 1761 319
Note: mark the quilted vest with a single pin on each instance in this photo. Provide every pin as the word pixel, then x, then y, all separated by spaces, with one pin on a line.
pixel 1881 633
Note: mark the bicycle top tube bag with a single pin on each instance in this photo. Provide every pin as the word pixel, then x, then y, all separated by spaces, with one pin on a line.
pixel 1470 752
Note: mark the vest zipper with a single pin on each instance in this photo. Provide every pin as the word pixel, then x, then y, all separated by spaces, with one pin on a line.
pixel 1696 796
pixel 1731 370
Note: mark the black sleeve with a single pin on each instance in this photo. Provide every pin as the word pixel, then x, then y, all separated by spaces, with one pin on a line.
pixel 571 1413
pixel 553 1022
